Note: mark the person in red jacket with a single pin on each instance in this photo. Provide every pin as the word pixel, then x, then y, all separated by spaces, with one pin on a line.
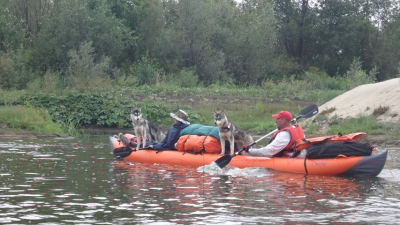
pixel 282 143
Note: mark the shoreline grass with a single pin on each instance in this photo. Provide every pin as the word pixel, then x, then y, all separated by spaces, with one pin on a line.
pixel 31 119
pixel 248 107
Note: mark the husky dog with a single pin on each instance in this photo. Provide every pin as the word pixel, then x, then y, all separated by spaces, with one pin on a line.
pixel 226 131
pixel 242 138
pixel 143 128
pixel 229 132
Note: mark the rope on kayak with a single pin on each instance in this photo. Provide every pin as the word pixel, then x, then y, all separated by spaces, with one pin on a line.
pixel 305 165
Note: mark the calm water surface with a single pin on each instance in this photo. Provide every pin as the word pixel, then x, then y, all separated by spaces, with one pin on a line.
pixel 64 181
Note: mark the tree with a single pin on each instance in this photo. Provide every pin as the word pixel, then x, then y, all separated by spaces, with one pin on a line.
pixel 11 36
pixel 76 21
pixel 84 71
pixel 30 12
pixel 145 20
pixel 7 73
pixel 296 26
pixel 251 49
pixel 188 39
pixel 329 34
pixel 388 55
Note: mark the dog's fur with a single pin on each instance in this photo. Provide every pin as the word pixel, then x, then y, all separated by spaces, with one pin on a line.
pixel 229 132
pixel 143 128
pixel 242 138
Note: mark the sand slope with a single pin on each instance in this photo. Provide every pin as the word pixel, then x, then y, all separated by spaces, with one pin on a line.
pixel 364 99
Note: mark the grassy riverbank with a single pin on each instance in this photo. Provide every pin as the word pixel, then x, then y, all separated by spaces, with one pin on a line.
pixel 249 108
pixel 31 119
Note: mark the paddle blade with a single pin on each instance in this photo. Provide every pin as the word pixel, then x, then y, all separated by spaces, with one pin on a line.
pixel 223 161
pixel 308 112
pixel 122 152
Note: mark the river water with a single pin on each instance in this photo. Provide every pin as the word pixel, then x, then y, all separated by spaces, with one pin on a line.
pixel 77 180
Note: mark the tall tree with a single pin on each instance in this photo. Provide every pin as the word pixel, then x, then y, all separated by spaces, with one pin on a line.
pixel 328 34
pixel 11 35
pixel 31 12
pixel 190 38
pixel 296 28
pixel 76 21
pixel 145 20
pixel 252 47
pixel 388 54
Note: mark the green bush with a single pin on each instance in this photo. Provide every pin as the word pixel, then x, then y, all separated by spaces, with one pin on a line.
pixel 126 80
pixel 187 78
pixel 51 82
pixel 322 81
pixel 147 70
pixel 84 72
pixel 7 73
pixel 34 86
pixel 355 76
pixel 23 74
pixel 103 109
pixel 13 97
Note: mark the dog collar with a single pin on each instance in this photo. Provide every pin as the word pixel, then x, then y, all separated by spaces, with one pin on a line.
pixel 226 128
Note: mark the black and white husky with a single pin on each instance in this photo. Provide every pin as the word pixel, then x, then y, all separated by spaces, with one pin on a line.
pixel 228 131
pixel 144 129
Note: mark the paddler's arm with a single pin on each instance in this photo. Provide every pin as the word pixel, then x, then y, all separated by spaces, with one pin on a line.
pixel 278 144
pixel 169 140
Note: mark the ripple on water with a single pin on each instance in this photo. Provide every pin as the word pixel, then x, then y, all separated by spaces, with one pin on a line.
pixel 186 195
pixel 8 206
pixel 8 220
pixel 390 174
pixel 36 217
pixel 213 169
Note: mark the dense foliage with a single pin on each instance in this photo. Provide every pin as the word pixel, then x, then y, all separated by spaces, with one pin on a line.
pixel 102 109
pixel 84 44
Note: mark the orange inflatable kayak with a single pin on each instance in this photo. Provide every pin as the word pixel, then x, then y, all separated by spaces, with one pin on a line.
pixel 350 166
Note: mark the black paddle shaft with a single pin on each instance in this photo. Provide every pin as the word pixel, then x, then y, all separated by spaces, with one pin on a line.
pixel 305 113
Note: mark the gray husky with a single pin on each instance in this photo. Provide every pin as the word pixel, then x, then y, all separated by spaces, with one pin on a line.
pixel 143 128
pixel 229 132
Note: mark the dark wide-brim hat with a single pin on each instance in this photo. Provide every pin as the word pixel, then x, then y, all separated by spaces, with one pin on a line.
pixel 181 116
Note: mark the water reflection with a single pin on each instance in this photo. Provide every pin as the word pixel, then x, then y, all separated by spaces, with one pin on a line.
pixel 170 188
pixel 78 181
pixel 177 186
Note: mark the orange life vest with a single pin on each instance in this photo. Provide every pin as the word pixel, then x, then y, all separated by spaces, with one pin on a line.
pixel 296 133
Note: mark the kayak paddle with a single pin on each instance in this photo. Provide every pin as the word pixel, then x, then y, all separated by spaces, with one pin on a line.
pixel 305 113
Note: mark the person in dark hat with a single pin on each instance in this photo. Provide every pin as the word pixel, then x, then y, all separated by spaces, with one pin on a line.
pixel 281 144
pixel 180 122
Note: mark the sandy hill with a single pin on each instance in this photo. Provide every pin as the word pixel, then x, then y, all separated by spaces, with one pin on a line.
pixel 364 99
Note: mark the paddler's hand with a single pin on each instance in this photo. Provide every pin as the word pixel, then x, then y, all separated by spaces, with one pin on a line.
pixel 246 148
